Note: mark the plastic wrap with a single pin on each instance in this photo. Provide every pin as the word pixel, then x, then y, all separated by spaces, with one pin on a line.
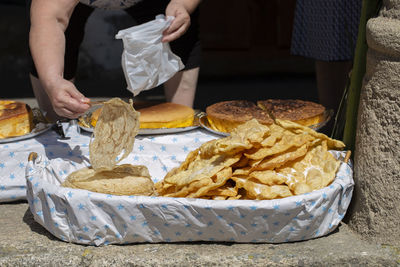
pixel 147 62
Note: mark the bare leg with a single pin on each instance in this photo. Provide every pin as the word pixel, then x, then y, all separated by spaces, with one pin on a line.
pixel 43 100
pixel 181 88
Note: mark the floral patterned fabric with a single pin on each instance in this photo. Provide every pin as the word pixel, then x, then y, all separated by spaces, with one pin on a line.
pixel 110 4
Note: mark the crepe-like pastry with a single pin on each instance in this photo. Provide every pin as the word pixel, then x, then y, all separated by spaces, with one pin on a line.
pixel 114 133
pixel 124 179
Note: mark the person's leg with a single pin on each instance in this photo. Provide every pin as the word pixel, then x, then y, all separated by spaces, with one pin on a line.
pixel 73 35
pixel 181 88
pixel 331 81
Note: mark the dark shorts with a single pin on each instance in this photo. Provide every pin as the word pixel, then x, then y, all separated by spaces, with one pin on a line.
pixel 187 47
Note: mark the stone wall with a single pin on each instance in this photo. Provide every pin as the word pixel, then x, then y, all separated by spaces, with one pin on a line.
pixel 375 212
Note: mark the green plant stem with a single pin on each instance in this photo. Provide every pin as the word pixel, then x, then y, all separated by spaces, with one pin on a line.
pixel 369 9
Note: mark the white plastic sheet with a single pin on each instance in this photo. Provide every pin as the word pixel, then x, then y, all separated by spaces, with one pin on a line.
pixel 146 61
pixel 85 217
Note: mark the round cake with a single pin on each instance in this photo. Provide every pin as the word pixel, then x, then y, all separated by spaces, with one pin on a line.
pixel 227 115
pixel 164 115
pixel 306 113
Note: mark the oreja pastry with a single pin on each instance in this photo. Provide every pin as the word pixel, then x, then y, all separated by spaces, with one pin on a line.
pixel 227 115
pixel 256 161
pixel 166 115
pixel 16 118
pixel 306 113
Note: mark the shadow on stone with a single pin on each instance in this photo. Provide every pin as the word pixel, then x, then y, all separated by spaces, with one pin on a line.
pixel 36 227
pixel 14 202
pixel 228 244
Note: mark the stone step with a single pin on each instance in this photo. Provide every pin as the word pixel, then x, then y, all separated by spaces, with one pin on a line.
pixel 23 242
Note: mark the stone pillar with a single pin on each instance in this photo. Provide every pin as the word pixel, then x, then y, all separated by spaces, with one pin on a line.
pixel 375 211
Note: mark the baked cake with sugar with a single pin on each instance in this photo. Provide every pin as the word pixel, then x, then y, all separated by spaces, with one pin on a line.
pixel 227 115
pixel 16 118
pixel 303 112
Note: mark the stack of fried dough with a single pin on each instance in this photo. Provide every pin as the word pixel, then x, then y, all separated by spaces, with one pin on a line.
pixel 256 162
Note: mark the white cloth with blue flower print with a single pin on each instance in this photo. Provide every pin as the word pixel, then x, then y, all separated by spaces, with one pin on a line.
pixel 161 152
pixel 84 217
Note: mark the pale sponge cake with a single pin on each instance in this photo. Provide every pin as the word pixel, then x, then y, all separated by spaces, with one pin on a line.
pixel 166 115
pixel 226 115
pixel 16 118
pixel 303 112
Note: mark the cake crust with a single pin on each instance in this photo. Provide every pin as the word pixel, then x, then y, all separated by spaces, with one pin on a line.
pixel 9 109
pixel 296 110
pixel 226 115
pixel 16 118
pixel 238 111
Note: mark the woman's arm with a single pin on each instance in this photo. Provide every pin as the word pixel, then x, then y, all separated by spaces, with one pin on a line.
pixel 49 20
pixel 181 10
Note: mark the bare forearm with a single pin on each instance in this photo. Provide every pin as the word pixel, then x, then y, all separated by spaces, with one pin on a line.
pixel 47 40
pixel 47 48
pixel 49 20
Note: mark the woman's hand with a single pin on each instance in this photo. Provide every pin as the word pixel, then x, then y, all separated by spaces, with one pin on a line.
pixel 181 10
pixel 67 101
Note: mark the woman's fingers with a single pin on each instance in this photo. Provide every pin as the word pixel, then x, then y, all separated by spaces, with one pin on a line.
pixel 175 34
pixel 67 101
pixel 179 25
pixel 76 102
